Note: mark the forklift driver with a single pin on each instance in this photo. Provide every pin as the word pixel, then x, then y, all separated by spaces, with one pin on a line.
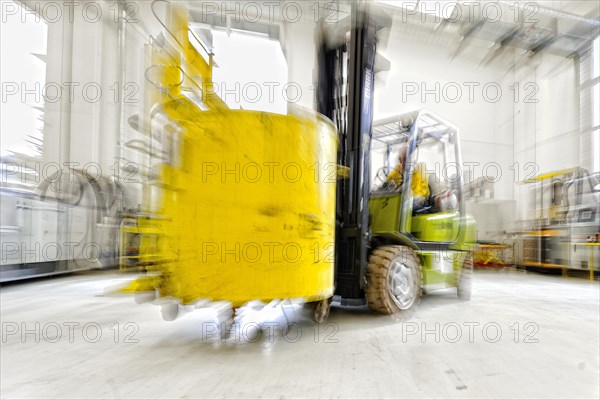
pixel 430 194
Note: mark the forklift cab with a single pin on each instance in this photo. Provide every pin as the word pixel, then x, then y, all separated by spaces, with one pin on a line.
pixel 431 149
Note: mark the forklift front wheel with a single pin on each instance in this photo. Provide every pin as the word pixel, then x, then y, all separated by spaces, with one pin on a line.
pixel 394 281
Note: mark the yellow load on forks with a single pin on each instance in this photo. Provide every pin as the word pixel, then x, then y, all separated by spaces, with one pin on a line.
pixel 245 210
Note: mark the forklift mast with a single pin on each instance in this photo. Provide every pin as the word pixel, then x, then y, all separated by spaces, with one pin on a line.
pixel 345 95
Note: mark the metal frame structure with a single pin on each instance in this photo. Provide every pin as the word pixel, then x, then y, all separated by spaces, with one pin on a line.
pixel 413 128
pixel 352 112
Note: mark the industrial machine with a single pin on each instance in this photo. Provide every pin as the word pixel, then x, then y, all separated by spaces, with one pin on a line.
pixel 565 222
pixel 251 205
pixel 61 223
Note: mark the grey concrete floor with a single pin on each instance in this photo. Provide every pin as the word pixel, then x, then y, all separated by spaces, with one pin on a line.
pixel 521 336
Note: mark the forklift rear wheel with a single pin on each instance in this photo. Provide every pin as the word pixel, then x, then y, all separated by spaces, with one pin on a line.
pixel 320 310
pixel 394 281
pixel 465 280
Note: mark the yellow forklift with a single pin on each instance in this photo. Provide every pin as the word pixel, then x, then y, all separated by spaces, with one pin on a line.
pixel 257 206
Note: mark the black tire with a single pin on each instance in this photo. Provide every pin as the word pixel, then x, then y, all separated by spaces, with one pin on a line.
pixel 386 265
pixel 465 279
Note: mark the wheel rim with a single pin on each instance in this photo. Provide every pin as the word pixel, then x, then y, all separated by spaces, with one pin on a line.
pixel 402 284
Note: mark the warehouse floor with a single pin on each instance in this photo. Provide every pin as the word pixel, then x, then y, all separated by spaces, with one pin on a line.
pixel 522 335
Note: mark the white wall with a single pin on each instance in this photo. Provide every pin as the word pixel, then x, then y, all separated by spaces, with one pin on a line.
pixel 83 126
pixel 425 66
pixel 547 131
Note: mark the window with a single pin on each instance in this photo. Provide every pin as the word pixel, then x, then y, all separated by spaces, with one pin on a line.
pixel 251 72
pixel 589 91
pixel 596 58
pixel 24 37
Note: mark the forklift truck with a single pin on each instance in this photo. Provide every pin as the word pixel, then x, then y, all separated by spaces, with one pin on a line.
pixel 385 254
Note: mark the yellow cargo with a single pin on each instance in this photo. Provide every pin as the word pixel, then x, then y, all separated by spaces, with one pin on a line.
pixel 244 207
pixel 249 212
